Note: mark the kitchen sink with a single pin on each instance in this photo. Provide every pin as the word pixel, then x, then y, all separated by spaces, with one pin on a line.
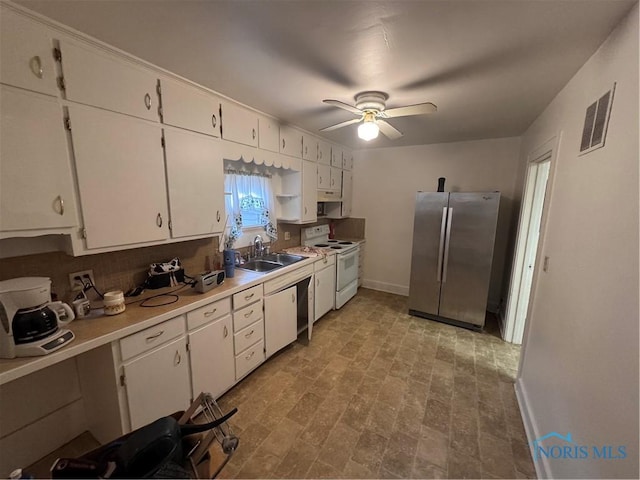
pixel 271 261
pixel 283 258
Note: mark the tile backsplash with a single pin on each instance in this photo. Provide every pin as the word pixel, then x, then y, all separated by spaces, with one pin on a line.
pixel 126 269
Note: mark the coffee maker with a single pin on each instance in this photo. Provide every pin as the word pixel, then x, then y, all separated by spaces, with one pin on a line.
pixel 29 321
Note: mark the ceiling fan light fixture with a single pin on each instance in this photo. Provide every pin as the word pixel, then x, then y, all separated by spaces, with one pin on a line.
pixel 369 129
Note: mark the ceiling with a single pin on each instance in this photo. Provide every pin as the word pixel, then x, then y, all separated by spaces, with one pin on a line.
pixel 490 66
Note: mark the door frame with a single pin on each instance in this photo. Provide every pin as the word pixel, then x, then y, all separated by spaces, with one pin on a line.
pixel 514 328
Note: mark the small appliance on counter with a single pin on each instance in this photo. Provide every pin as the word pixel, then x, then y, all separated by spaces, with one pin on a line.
pixel 29 321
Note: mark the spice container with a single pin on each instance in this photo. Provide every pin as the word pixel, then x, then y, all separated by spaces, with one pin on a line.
pixel 114 302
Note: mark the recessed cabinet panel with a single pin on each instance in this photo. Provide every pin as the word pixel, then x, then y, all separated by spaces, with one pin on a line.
pixel 324 152
pixel 309 148
pixel 97 78
pixel 239 124
pixel 290 141
pixel 36 187
pixel 324 177
pixel 268 134
pixel 189 107
pixel 195 180
pixel 121 178
pixel 26 54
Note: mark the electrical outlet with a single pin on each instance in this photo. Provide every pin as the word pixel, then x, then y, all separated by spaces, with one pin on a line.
pixel 287 235
pixel 77 286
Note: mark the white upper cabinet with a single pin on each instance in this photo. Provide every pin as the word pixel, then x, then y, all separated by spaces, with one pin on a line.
pixel 121 178
pixel 347 189
pixel 335 182
pixel 347 160
pixel 309 193
pixel 324 177
pixel 239 124
pixel 36 187
pixel 189 107
pixel 324 152
pixel 336 156
pixel 95 77
pixel 309 148
pixel 195 180
pixel 268 134
pixel 26 54
pixel 290 141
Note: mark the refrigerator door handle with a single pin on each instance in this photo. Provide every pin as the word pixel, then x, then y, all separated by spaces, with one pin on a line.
pixel 443 227
pixel 446 245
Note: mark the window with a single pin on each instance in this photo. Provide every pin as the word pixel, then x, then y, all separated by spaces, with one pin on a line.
pixel 249 203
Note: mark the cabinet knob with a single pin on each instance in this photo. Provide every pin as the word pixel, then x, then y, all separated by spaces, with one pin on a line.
pixel 248 357
pixel 61 204
pixel 209 313
pixel 214 120
pixel 253 133
pixel 178 358
pixel 248 297
pixel 147 101
pixel 283 143
pixel 36 66
pixel 159 221
pixel 249 334
pixel 247 315
pixel 153 337
pixel 225 332
pixel 217 215
pixel 305 210
pixel 293 298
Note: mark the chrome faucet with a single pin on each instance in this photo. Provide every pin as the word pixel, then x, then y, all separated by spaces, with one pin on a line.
pixel 258 246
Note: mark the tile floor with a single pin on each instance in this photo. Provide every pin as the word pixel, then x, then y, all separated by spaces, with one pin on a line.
pixel 380 394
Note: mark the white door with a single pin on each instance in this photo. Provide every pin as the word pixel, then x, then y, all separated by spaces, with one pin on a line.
pixel 347 195
pixel 347 160
pixel 336 156
pixel 97 78
pixel 280 320
pixel 189 107
pixel 268 134
pixel 239 124
pixel 195 179
pixel 121 178
pixel 309 148
pixel 36 187
pixel 324 177
pixel 290 141
pixel 212 358
pixel 346 268
pixel 26 54
pixel 324 152
pixel 336 179
pixel 325 291
pixel 158 383
pixel 309 192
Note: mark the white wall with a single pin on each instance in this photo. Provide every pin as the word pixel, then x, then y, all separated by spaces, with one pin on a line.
pixel 384 188
pixel 579 368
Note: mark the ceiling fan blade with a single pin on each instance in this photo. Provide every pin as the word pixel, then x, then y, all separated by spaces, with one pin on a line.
pixel 419 109
pixel 340 125
pixel 344 106
pixel 389 130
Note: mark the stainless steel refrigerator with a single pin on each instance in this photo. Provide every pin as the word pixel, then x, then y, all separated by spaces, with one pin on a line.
pixel 453 238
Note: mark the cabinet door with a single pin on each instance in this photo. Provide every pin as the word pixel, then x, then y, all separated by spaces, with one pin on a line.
pixel 121 178
pixel 347 196
pixel 309 192
pixel 325 291
pixel 97 78
pixel 268 134
pixel 239 124
pixel 324 152
pixel 336 156
pixel 309 148
pixel 212 358
pixel 290 141
pixel 336 179
pixel 324 177
pixel 157 383
pixel 195 180
pixel 347 160
pixel 188 107
pixel 26 54
pixel 280 317
pixel 36 187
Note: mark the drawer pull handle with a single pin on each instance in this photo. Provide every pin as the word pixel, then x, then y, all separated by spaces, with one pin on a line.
pixel 61 203
pixel 248 357
pixel 249 297
pixel 247 315
pixel 249 334
pixel 217 215
pixel 253 133
pixel 211 312
pixel 177 358
pixel 36 66
pixel 153 337
pixel 214 120
pixel 226 332
pixel 159 221
pixel 147 101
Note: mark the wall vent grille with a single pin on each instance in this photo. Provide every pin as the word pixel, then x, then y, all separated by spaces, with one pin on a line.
pixel 596 121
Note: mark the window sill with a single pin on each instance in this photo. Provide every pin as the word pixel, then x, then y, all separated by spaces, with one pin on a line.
pixel 248 234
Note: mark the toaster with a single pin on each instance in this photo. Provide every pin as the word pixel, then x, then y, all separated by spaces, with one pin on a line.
pixel 208 280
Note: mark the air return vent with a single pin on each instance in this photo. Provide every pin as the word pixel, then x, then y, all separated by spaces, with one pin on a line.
pixel 595 123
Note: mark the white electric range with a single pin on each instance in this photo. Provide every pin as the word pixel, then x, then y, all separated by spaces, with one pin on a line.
pixel 346 260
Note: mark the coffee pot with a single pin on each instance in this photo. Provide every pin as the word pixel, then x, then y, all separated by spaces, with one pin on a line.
pixel 29 321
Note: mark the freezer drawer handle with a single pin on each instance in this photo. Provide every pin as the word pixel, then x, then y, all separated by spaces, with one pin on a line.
pixel 443 228
pixel 446 246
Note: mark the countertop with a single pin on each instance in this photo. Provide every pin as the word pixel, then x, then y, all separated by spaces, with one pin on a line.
pixel 92 333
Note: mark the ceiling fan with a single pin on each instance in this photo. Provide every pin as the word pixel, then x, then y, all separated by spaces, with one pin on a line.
pixel 370 108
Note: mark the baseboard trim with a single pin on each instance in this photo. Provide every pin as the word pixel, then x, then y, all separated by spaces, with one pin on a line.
pixel 530 427
pixel 386 287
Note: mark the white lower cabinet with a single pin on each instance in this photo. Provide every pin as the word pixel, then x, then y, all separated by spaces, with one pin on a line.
pixel 157 383
pixel 280 320
pixel 212 359
pixel 325 286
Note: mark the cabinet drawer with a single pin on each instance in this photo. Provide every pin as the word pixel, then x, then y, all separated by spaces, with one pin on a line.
pixel 247 316
pixel 247 297
pixel 248 336
pixel 207 313
pixel 324 263
pixel 151 337
pixel 249 359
